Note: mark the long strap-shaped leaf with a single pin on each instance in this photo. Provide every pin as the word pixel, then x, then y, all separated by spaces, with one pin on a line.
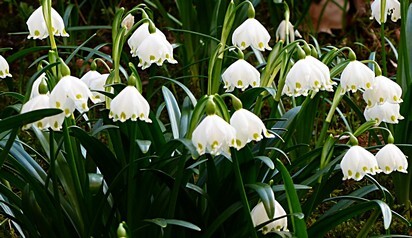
pixel 299 225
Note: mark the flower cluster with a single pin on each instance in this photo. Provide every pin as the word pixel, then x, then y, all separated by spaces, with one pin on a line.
pixel 383 101
pixel 357 162
pixel 214 135
pixel 150 46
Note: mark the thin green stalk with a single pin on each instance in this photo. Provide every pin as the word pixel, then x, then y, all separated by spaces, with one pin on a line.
pixel 384 67
pixel 175 193
pixel 369 224
pixel 239 181
pixel 131 185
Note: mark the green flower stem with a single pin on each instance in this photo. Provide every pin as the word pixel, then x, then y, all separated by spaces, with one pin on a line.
pixel 336 100
pixel 382 20
pixel 363 233
pixel 46 7
pixel 131 185
pixel 175 193
pixel 239 181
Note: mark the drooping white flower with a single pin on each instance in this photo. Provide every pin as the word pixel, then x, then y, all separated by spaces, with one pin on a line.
pixel 37 25
pixel 384 90
pixel 129 104
pixel 41 101
pixel 251 33
pixel 35 87
pixel 290 34
pixel 4 68
pixel 393 8
pixel 248 127
pixel 70 93
pixel 128 21
pixel 387 112
pixel 139 35
pixel 214 135
pixel 391 158
pixel 259 216
pixel 95 82
pixel 357 162
pixel 356 76
pixel 240 74
pixel 305 75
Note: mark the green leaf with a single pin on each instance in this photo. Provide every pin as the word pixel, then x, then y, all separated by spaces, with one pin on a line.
pixel 267 161
pixel 164 222
pixel 26 118
pixel 266 194
pixel 173 111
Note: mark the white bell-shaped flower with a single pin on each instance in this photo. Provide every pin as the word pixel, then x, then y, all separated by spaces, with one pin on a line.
pixel 214 135
pixel 129 104
pixel 393 8
pixel 290 34
pixel 357 162
pixel 356 76
pixel 384 90
pixel 251 33
pixel 240 74
pixel 387 112
pixel 391 158
pixel 35 87
pixel 41 101
pixel 70 93
pixel 248 127
pixel 4 68
pixel 305 75
pixel 95 82
pixel 154 49
pixel 37 25
pixel 139 35
pixel 259 216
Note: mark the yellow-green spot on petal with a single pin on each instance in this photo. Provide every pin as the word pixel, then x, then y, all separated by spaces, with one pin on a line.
pixel 122 116
pixel 40 125
pixel 238 142
pixel 140 61
pixel 261 45
pixel 134 116
pixel 58 104
pixel 317 83
pixel 393 118
pixel 254 84
pixel 1 73
pixel 387 168
pixel 7 71
pixel 278 228
pixel 381 100
pixel 200 146
pixel 369 103
pixel 84 106
pixel 400 167
pixel 141 115
pixel 368 85
pixel 364 168
pixel 36 32
pixel 350 172
pixel 56 125
pixel 298 85
pixel 243 44
pixel 353 87
pixel 214 144
pixel 167 56
pixel 79 96
pixel 357 175
pixel 395 98
pixel 239 83
pixel 255 136
pixel 67 111
pixel 152 57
